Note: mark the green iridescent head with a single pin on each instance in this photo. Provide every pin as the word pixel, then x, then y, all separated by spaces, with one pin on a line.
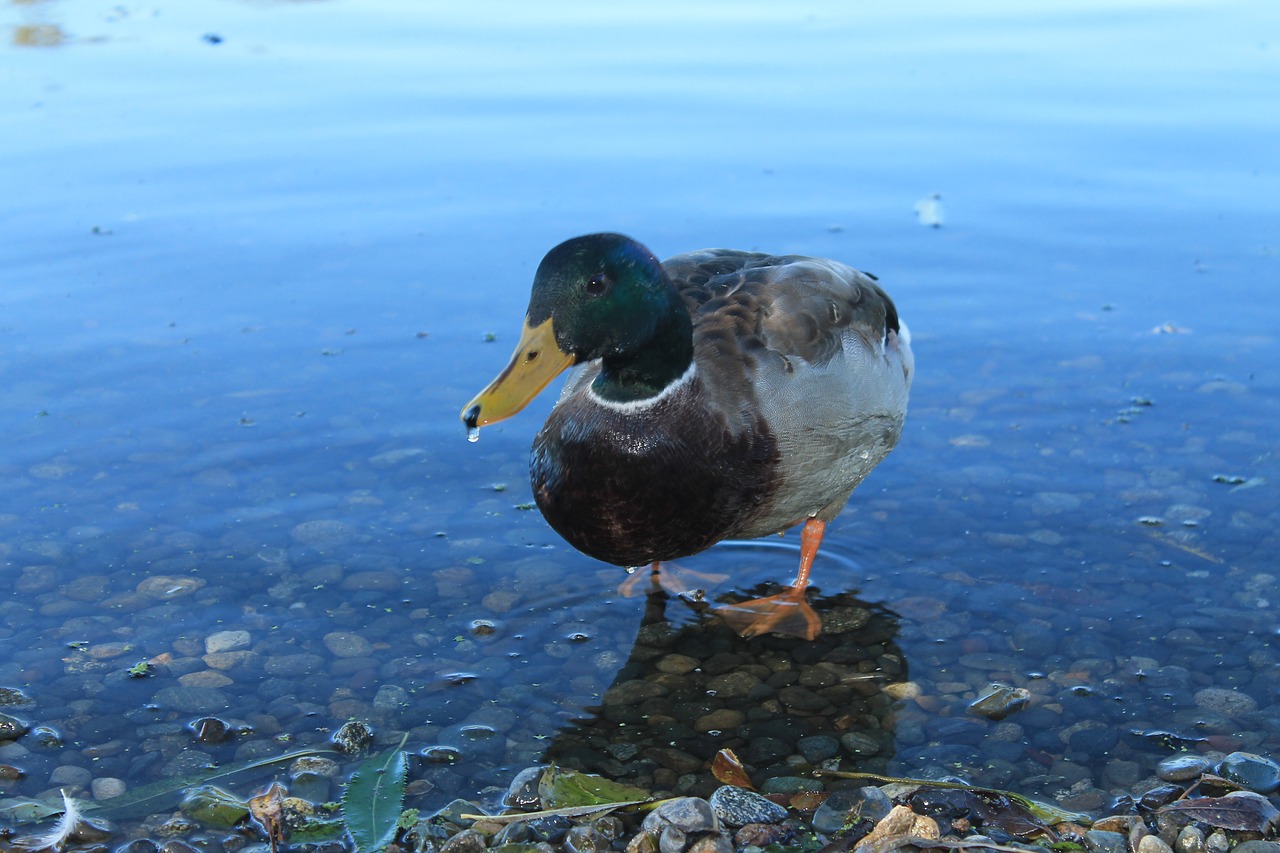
pixel 601 296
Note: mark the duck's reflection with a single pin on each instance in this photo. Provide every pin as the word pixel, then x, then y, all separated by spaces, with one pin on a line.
pixel 784 705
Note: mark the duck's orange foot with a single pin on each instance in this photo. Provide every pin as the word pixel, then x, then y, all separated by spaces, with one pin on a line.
pixel 670 577
pixel 785 613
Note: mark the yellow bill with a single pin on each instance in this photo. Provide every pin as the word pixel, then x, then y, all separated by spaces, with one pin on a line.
pixel 537 360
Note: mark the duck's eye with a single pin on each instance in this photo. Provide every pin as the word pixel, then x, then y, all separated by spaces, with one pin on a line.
pixel 598 284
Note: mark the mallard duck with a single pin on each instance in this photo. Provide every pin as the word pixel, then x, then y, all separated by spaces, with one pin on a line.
pixel 719 394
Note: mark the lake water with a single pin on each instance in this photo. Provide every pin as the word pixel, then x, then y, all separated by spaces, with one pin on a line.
pixel 256 257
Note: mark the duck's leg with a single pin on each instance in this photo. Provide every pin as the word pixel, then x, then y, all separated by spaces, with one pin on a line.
pixel 787 612
pixel 672 578
pixel 631 586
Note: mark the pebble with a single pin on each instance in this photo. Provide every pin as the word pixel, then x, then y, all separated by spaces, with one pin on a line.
pixel 1229 703
pixel 227 641
pixel 789 785
pixel 1190 840
pixel 70 776
pixel 193 700
pixel 205 678
pixel 344 644
pixel 106 787
pixel 859 744
pixel 724 719
pixel 168 588
pixel 1255 845
pixel 1182 768
pixel 818 748
pixel 11 728
pixel 1153 844
pixel 352 737
pixel 1251 771
pixel 1102 841
pixel 322 534
pixel 677 664
pixel 687 814
pixel 999 701
pixel 846 806
pixel 738 807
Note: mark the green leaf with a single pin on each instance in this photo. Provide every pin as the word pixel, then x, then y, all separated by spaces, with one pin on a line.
pixel 559 789
pixel 25 810
pixel 372 799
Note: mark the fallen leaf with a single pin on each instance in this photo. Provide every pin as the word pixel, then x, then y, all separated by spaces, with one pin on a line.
pixel 729 770
pixel 1240 814
pixel 267 811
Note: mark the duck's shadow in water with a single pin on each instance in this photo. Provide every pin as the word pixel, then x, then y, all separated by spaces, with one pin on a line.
pixel 785 706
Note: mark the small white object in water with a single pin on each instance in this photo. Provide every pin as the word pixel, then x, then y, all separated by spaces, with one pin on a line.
pixel 57 837
pixel 929 211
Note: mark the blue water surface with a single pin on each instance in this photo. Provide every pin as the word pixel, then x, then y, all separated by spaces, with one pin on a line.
pixel 257 255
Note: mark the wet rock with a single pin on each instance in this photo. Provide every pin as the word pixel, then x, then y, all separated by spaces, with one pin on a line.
pixel 551 829
pixel 205 678
pixel 1094 740
pixel 214 807
pixel 999 701
pixel 722 720
pixel 1190 840
pixel 762 835
pixel 677 664
pixel 643 842
pixel 1153 844
pixel 294 666
pixel 765 750
pixel 192 700
pixel 106 787
pixel 165 588
pixel 816 748
pixel 1182 768
pixel 1101 841
pixel 859 744
pixel 585 839
pixel 522 793
pixel 343 644
pixel 687 814
pixel 12 697
pixel 1229 703
pixel 323 533
pixel 317 764
pixel 352 737
pixel 226 641
pixel 789 785
pixel 674 759
pixel 846 807
pixel 803 700
pixel 466 841
pixel 717 843
pixel 391 697
pixel 738 807
pixel 1257 846
pixel 139 845
pixel 11 728
pixel 1251 771
pixel 70 776
pixel 311 787
pixel 842 620
pixel 733 685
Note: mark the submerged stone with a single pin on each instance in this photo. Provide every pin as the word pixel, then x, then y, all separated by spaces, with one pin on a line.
pixel 999 701
pixel 1251 771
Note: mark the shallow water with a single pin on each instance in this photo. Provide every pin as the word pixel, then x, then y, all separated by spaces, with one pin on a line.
pixel 258 255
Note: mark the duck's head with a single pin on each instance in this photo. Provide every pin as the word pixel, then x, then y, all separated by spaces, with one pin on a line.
pixel 597 296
